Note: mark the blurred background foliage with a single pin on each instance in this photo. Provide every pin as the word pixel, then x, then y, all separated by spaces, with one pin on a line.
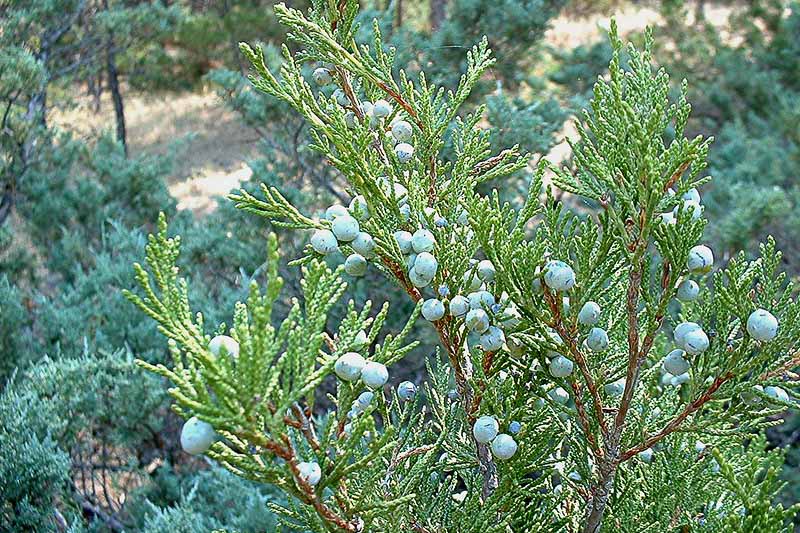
pixel 87 442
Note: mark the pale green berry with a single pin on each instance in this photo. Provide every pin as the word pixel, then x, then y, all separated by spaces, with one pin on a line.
pixel 688 291
pixel 355 265
pixel 310 473
pixel 324 242
pixel 348 366
pixel 486 270
pixel 322 76
pixel 560 366
pixel 589 314
pixel 224 344
pixel 597 339
pixel 364 244
pixel 423 241
pixel 432 309
pixel 404 152
pixel 485 429
pixel 762 325
pixel 374 375
pixel 459 305
pixel 197 436
pixel 559 276
pixel 700 259
pixel 675 364
pixel 493 339
pixel 358 208
pixel 504 447
pixel 402 131
pixel 361 340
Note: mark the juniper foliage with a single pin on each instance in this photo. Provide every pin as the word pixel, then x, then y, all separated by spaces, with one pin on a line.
pixel 611 444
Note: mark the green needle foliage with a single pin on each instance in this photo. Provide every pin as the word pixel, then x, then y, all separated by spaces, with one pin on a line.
pixel 598 428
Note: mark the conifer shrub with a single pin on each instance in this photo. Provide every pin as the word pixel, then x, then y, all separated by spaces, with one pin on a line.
pixel 593 371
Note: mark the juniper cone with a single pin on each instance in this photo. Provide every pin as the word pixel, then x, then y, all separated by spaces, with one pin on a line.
pixel 431 466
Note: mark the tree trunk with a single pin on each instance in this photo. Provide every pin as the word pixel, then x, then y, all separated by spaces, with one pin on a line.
pixel 438 9
pixel 601 490
pixel 398 14
pixel 116 93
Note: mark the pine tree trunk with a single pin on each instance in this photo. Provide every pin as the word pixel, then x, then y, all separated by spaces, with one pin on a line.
pixel 437 14
pixel 116 94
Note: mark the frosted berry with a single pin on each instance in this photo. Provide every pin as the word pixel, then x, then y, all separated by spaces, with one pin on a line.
pixel 340 97
pixel 696 341
pixel 382 109
pixel 364 244
pixel 459 305
pixel 514 427
pixel 646 455
pixel 197 436
pixel 486 270
pixel 358 208
pixel 463 217
pixel 675 364
pixel 471 280
pixel 762 325
pixel 589 314
pixel 406 390
pixel 679 379
pixel 335 211
pixel 374 375
pixel 493 339
pixel 443 290
pixel 560 366
pixel 597 339
pixel 224 343
pixel 349 365
pixel 355 265
pixel 426 265
pixel 559 395
pixel 688 291
pixel 361 340
pixel 701 259
pixel 777 393
pixel 692 195
pixel 403 239
pixel 404 152
pixel 559 276
pixel 322 76
pixel 364 399
pixel 423 241
pixel 480 299
pixel 345 228
pixel 405 212
pixel 432 309
pixel 689 206
pixel 402 131
pixel 324 242
pixel 411 260
pixel 310 473
pixel 417 279
pixel 504 447
pixel 615 388
pixel 350 119
pixel 485 429
pixel 682 329
pixel 477 320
